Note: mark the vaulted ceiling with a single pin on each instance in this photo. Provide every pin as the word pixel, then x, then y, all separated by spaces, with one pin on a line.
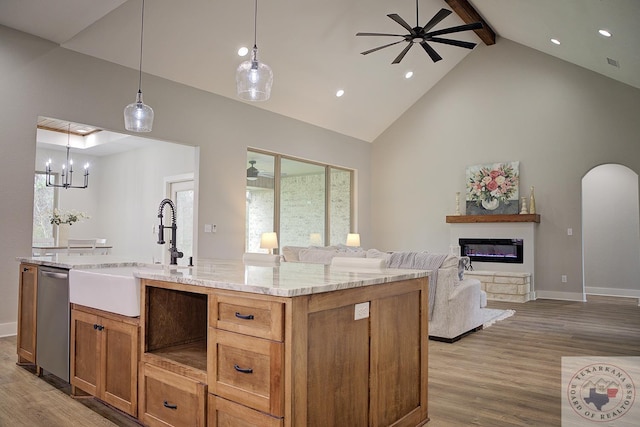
pixel 313 51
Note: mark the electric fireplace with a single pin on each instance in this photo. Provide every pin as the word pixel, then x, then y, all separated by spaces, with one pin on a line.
pixel 493 250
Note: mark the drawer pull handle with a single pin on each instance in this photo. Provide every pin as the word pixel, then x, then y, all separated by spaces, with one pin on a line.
pixel 244 316
pixel 168 405
pixel 243 370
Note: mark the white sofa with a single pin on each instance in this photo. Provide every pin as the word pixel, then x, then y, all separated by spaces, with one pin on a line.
pixel 456 307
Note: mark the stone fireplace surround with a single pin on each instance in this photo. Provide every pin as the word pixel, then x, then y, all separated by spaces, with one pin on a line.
pixel 501 281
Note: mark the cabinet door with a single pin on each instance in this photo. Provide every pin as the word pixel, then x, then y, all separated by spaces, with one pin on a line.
pixel 119 364
pixel 27 313
pixel 85 352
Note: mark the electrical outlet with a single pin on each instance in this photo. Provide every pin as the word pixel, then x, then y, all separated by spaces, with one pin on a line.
pixel 361 310
pixel 564 278
pixel 569 231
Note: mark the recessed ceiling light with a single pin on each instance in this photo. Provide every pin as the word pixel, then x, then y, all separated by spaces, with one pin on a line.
pixel 82 131
pixel 604 32
pixel 339 93
pixel 555 41
pixel 408 74
pixel 243 51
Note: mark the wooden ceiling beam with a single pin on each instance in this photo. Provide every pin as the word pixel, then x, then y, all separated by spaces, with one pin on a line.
pixel 469 15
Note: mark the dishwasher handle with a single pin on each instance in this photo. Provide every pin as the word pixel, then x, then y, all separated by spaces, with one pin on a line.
pixel 54 275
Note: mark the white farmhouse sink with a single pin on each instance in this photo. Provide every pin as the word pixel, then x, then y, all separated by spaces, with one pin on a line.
pixel 112 289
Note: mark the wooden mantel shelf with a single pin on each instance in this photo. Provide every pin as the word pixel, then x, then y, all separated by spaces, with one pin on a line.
pixel 458 219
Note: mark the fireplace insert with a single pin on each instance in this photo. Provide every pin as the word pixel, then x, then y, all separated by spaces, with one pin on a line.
pixel 493 250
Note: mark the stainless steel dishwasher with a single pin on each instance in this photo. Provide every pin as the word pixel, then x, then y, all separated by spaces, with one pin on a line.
pixel 53 321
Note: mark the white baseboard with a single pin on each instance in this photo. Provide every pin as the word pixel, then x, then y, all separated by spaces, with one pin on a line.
pixel 568 296
pixel 8 329
pixel 612 292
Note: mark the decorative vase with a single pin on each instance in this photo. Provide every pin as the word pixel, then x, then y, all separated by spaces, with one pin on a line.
pixel 491 204
pixel 63 234
pixel 523 211
pixel 457 203
pixel 532 202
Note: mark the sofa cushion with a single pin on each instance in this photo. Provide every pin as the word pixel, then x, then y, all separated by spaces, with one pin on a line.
pixel 374 253
pixel 291 253
pixel 316 256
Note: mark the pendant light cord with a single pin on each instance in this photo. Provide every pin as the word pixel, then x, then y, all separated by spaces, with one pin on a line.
pixel 255 25
pixel 141 37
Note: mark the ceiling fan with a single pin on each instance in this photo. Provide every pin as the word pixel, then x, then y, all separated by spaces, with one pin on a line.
pixel 423 35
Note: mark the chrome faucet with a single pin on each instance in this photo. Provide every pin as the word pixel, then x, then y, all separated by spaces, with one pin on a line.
pixel 175 253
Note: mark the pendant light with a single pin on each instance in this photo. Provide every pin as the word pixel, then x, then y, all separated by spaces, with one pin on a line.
pixel 138 117
pixel 253 78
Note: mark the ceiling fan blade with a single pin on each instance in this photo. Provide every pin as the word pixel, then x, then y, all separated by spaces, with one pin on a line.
pixel 432 53
pixel 402 54
pixel 379 34
pixel 402 22
pixel 443 13
pixel 366 52
pixel 465 27
pixel 458 43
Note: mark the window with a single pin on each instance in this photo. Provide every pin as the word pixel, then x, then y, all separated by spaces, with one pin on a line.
pixel 44 200
pixel 306 203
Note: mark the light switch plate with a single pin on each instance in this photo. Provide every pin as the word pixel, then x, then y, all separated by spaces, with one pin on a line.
pixel 361 310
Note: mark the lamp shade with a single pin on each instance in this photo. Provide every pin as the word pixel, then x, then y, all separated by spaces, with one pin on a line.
pixel 353 239
pixel 138 117
pixel 315 239
pixel 269 240
pixel 254 80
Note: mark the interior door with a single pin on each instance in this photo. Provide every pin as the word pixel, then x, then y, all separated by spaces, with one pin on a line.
pixel 182 193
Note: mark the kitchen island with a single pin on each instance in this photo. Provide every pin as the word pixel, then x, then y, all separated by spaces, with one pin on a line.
pixel 290 345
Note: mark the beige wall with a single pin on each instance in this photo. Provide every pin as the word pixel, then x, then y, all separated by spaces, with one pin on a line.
pixel 40 78
pixel 502 103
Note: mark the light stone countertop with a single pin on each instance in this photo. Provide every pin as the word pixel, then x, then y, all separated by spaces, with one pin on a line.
pixel 287 279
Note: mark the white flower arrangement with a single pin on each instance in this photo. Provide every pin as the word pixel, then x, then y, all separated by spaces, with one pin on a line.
pixel 68 217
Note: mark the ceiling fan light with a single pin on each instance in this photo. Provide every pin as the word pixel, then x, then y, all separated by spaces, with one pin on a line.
pixel 252 171
pixel 138 117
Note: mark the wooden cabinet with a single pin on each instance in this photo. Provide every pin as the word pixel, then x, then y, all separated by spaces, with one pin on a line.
pixel 224 413
pixel 27 301
pixel 104 357
pixel 246 352
pixel 355 357
pixel 171 399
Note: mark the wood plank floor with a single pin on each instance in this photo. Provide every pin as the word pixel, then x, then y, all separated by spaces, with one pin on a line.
pixel 506 375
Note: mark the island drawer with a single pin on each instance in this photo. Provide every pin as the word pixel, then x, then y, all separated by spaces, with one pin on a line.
pixel 250 316
pixel 169 399
pixel 246 370
pixel 223 412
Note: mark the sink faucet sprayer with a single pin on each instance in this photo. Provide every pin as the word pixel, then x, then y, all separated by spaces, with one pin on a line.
pixel 175 253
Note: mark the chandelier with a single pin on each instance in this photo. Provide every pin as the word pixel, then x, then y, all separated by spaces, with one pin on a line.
pixel 66 176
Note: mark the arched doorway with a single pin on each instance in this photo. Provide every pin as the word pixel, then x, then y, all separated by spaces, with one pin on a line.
pixel 611 231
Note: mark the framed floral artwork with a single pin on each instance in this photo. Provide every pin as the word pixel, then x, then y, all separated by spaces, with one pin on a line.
pixel 492 189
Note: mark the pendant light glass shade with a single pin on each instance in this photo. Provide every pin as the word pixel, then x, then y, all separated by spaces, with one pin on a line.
pixel 253 78
pixel 138 117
